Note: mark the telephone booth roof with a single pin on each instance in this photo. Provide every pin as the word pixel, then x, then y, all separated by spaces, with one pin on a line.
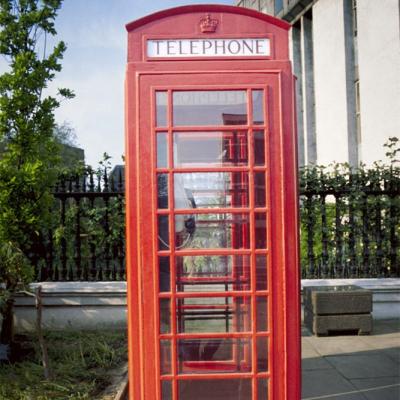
pixel 205 8
pixel 183 21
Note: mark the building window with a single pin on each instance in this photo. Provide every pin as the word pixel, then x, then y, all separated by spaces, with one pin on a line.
pixel 278 6
pixel 356 74
pixel 358 109
pixel 354 6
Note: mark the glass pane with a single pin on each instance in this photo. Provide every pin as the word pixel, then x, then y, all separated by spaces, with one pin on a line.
pixel 204 231
pixel 166 390
pixel 164 274
pixel 259 148
pixel 162 191
pixel 214 389
pixel 261 272
pixel 262 354
pixel 213 314
pixel 165 316
pixel 161 108
pixel 198 149
pixel 258 107
pixel 262 389
pixel 214 355
pixel 228 107
pixel 165 357
pixel 261 230
pixel 259 189
pixel 163 232
pixel 162 150
pixel 262 314
pixel 211 190
pixel 212 273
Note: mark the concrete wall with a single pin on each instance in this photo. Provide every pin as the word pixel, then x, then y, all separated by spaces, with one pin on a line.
pixel 75 305
pixel 379 71
pixel 330 81
pixel 89 305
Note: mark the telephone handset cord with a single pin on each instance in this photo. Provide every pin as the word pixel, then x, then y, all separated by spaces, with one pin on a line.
pixel 186 242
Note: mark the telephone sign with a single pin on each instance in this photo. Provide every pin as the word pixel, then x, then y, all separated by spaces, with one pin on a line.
pixel 175 48
pixel 212 242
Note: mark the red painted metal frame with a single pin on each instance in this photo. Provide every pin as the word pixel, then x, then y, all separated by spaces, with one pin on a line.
pixel 275 77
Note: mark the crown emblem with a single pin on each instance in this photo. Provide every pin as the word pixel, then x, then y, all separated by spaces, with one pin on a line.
pixel 208 25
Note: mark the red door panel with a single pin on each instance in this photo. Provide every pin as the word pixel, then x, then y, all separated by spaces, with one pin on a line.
pixel 205 182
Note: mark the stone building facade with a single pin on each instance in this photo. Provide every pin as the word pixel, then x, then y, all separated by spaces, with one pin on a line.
pixel 346 56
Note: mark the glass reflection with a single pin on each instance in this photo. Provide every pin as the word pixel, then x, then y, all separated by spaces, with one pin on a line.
pixel 166 390
pixel 213 314
pixel 161 108
pixel 261 230
pixel 259 148
pixel 228 107
pixel 261 272
pixel 198 149
pixel 258 107
pixel 162 191
pixel 165 316
pixel 165 357
pixel 164 274
pixel 262 314
pixel 214 355
pixel 259 189
pixel 211 190
pixel 204 231
pixel 162 150
pixel 215 389
pixel 262 354
pixel 213 273
pixel 262 389
pixel 163 232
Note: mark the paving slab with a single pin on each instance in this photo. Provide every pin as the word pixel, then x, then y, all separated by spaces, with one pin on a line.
pixel 327 384
pixel 387 388
pixel 353 367
pixel 309 364
pixel 364 365
pixel 394 354
pixel 381 342
pixel 334 345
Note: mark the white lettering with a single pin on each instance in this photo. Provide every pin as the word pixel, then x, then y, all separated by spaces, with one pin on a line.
pixel 241 47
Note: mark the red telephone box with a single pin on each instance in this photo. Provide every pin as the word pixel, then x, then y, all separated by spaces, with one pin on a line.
pixel 212 245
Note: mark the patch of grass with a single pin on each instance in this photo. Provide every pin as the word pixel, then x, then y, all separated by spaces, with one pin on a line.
pixel 82 363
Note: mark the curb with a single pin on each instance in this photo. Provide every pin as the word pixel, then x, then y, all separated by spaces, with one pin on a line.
pixel 122 393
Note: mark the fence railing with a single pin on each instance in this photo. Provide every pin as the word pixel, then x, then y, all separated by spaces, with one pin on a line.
pixel 350 227
pixel 87 239
pixel 350 224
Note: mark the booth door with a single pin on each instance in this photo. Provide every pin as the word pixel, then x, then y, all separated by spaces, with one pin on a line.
pixel 205 236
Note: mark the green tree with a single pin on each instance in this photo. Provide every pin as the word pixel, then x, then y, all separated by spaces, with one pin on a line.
pixel 28 163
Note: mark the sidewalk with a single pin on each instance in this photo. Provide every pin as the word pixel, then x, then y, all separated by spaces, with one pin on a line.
pixel 353 367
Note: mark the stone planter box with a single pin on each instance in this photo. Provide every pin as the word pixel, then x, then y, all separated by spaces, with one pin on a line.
pixel 329 309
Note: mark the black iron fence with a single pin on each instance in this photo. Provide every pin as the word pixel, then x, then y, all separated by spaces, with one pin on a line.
pixel 350 226
pixel 350 223
pixel 87 238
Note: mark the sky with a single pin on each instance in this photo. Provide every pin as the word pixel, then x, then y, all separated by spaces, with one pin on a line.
pixel 94 68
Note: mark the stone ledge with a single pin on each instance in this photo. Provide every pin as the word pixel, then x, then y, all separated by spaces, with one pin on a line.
pixel 89 305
